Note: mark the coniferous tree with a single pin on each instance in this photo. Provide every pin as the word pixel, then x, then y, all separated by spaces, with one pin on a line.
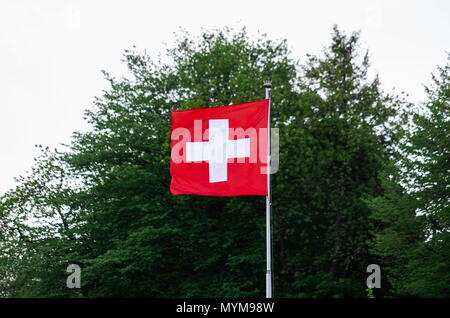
pixel 413 215
pixel 344 131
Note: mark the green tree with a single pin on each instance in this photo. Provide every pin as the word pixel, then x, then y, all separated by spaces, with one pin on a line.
pixel 413 216
pixel 38 223
pixel 178 246
pixel 344 128
pixel 131 236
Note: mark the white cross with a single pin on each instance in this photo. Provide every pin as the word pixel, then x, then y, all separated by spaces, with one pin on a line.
pixel 217 150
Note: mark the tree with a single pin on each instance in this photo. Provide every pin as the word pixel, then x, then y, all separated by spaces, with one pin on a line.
pixel 131 236
pixel 37 233
pixel 160 245
pixel 414 212
pixel 345 131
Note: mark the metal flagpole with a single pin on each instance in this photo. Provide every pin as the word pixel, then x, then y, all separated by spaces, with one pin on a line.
pixel 268 91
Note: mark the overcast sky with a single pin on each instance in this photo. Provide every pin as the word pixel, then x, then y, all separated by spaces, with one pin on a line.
pixel 52 52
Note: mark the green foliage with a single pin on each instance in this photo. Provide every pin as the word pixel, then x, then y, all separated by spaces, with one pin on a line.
pixel 320 203
pixel 104 202
pixel 412 233
pixel 370 293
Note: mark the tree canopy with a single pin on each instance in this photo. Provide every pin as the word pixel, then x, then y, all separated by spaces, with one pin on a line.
pixel 358 184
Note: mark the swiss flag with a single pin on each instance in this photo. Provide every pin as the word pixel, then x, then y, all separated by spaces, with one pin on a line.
pixel 220 151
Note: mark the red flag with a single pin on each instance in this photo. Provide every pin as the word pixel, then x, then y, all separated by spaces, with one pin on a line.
pixel 220 151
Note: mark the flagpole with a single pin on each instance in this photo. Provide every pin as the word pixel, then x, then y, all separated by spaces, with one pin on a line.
pixel 268 90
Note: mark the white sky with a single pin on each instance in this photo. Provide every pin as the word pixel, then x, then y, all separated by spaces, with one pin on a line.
pixel 52 52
